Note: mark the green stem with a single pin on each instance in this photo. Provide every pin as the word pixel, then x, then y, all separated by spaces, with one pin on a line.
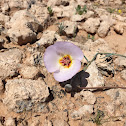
pixel 86 58
pixel 107 54
pixel 89 62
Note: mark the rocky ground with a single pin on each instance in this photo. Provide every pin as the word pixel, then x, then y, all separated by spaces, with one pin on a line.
pixel 29 95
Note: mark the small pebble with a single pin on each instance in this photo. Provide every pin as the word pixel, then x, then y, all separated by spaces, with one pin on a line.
pixel 68 88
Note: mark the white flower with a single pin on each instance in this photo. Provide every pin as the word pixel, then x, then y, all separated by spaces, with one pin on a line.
pixel 63 59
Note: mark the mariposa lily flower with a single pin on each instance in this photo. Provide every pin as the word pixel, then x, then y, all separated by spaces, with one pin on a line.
pixel 63 59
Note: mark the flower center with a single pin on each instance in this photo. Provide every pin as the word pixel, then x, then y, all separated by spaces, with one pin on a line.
pixel 66 61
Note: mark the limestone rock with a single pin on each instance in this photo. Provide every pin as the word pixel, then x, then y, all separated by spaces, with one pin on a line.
pixel 35 58
pixel 80 2
pixel 101 11
pixel 124 123
pixel 102 2
pixel 48 123
pixel 16 4
pixel 48 38
pixel 83 111
pixel 57 3
pixel 1 86
pixel 4 18
pixel 91 25
pixel 118 2
pixel 23 94
pixel 62 2
pixel 119 18
pixel 1 42
pixel 36 121
pixel 52 2
pixel 78 17
pixel 95 79
pixel 70 28
pixel 120 61
pixel 62 11
pixel 109 19
pixel 123 74
pixel 60 122
pixel 89 123
pixel 60 118
pixel 62 115
pixel 100 45
pixel 5 7
pixel 119 28
pixel 115 123
pixel 7 71
pixel 10 122
pixel 12 56
pixel 103 29
pixel 87 96
pixel 107 22
pixel 117 101
pixel 28 19
pixel 105 64
pixel 9 62
pixel 2 29
pixel 28 72
pixel 21 37
pixel 23 27
pixel 110 107
pixel 91 48
pixel 39 10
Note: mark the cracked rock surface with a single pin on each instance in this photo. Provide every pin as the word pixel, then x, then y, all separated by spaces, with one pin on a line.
pixel 29 94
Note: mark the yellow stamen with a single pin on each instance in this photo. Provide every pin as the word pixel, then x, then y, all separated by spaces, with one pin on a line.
pixel 65 61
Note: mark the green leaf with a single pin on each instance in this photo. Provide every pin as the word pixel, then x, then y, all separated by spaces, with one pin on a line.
pixel 79 7
pixel 50 11
pixel 80 12
pixel 85 9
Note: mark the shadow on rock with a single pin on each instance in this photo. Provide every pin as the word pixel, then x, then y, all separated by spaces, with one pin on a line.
pixel 79 80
